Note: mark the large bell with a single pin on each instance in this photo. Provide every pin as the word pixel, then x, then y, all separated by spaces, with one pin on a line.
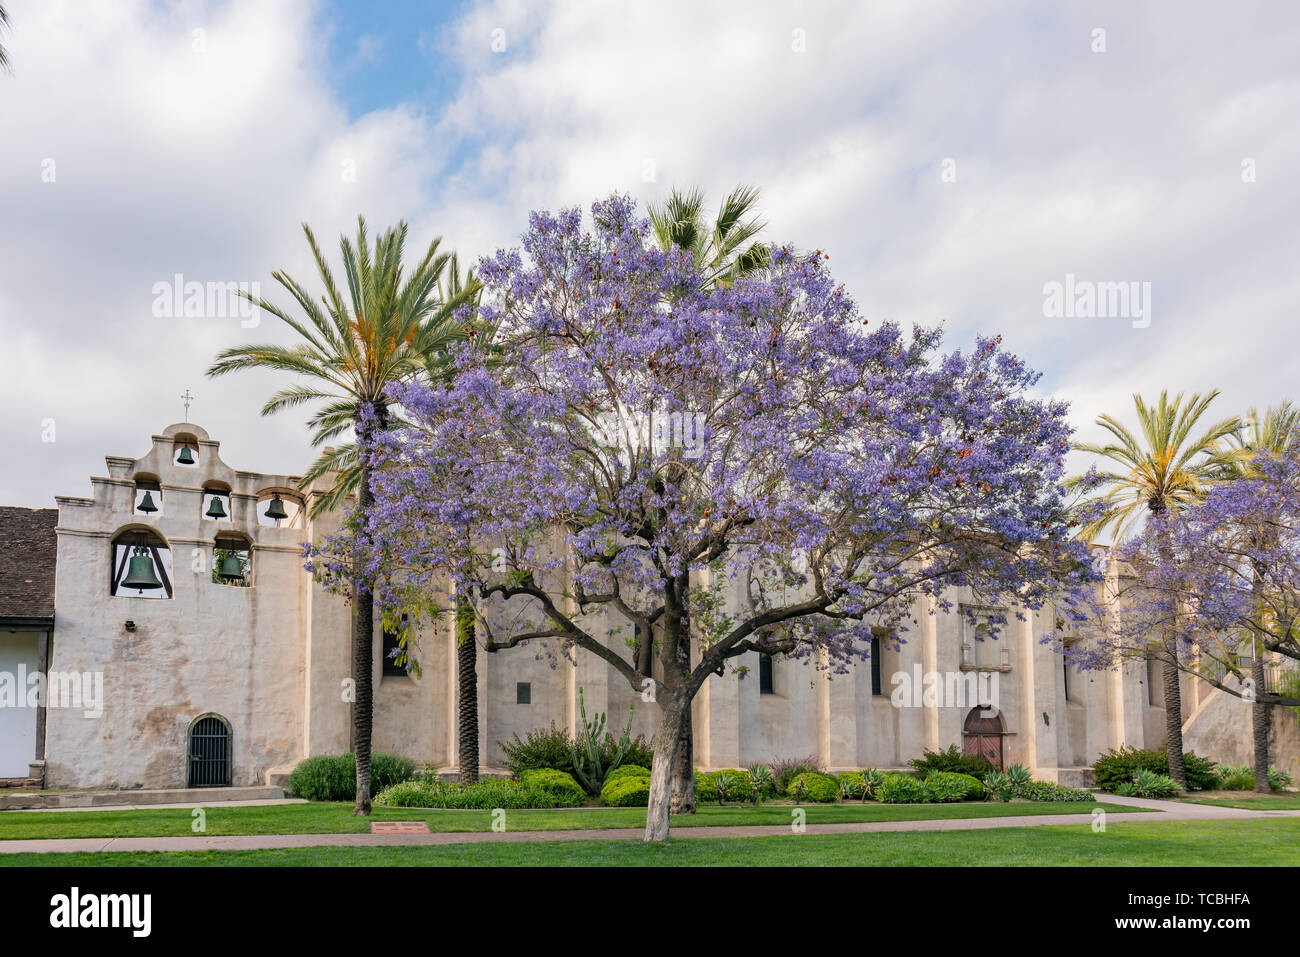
pixel 186 457
pixel 146 504
pixel 216 509
pixel 276 509
pixel 231 568
pixel 140 574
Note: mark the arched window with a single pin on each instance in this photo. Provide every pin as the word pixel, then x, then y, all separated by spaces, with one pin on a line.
pixel 232 560
pixel 208 753
pixel 216 502
pixel 278 508
pixel 140 565
pixel 185 449
pixel 148 495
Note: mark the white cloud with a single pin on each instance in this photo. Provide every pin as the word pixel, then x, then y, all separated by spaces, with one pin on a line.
pixel 1123 165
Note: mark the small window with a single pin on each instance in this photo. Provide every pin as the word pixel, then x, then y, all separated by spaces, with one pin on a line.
pixel 765 685
pixel 523 692
pixel 392 648
pixel 876 667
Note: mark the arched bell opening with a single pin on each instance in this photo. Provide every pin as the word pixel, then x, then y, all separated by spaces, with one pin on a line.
pixel 216 502
pixel 148 495
pixel 232 560
pixel 141 565
pixel 278 508
pixel 185 450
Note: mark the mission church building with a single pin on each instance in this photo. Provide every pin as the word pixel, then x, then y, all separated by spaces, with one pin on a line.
pixel 177 589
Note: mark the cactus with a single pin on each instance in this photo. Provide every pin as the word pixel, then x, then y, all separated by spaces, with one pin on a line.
pixel 586 751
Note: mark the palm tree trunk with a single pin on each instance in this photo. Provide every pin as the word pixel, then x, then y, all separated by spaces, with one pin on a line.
pixel 467 692
pixel 1260 715
pixel 363 647
pixel 1174 719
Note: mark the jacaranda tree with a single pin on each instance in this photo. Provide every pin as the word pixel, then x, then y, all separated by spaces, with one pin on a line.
pixel 1219 580
pixel 747 467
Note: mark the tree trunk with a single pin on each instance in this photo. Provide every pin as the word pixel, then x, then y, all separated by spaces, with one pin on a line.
pixel 1260 715
pixel 683 801
pixel 1174 720
pixel 363 648
pixel 467 692
pixel 667 740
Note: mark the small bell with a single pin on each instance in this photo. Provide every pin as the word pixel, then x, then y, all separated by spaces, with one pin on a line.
pixel 276 510
pixel 231 568
pixel 140 574
pixel 146 504
pixel 216 509
pixel 186 457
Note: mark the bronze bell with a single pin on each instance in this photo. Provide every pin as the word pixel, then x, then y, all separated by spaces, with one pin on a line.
pixel 146 504
pixel 186 457
pixel 216 509
pixel 276 509
pixel 231 568
pixel 140 574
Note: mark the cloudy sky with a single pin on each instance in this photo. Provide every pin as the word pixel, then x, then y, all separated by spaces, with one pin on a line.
pixel 952 157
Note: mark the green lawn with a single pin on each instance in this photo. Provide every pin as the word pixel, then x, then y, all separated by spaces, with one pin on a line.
pixel 1276 802
pixel 1267 842
pixel 337 818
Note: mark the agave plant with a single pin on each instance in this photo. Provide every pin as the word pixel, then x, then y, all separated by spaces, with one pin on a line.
pixel 999 785
pixel 760 780
pixel 1019 775
pixel 872 781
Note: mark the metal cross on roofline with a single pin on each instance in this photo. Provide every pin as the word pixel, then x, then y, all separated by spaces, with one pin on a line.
pixel 187 398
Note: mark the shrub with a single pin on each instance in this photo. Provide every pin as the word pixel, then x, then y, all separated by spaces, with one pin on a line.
pixel 485 795
pixel 333 777
pixel 1050 791
pixel 785 770
pixel 1235 779
pixel 762 783
pixel 555 782
pixel 953 786
pixel 814 786
pixel 628 791
pixel 1278 779
pixel 1118 766
pixel 551 749
pixel 730 784
pixel 704 789
pixel 905 789
pixel 952 761
pixel 872 780
pixel 627 771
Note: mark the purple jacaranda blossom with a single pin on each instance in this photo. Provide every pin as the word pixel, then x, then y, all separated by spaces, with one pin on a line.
pixel 719 469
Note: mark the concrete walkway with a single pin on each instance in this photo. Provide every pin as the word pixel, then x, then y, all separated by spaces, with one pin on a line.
pixel 1163 810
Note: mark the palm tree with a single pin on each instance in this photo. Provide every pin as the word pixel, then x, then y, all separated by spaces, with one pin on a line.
pixel 1161 469
pixel 388 328
pixel 724 251
pixel 1272 433
pixel 4 26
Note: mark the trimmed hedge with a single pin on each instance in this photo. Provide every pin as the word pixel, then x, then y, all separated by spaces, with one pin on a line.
pixel 333 777
pixel 559 783
pixel 628 791
pixel 628 771
pixel 905 789
pixel 817 787
pixel 1120 765
pixel 952 786
pixel 485 795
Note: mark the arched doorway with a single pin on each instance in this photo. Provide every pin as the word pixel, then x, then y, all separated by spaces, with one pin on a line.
pixel 982 734
pixel 208 753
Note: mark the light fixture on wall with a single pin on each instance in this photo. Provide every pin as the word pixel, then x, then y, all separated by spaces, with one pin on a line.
pixel 1046 720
